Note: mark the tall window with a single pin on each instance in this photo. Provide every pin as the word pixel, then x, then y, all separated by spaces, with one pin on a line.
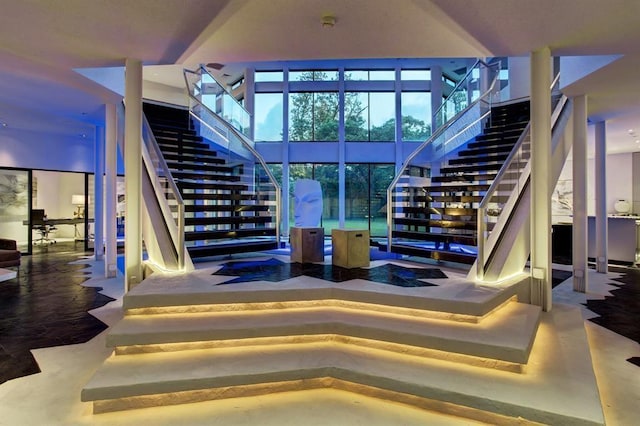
pixel 313 116
pixel 416 116
pixel 369 116
pixel 366 197
pixel 268 116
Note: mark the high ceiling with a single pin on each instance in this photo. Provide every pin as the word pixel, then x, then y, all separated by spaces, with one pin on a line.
pixel 43 41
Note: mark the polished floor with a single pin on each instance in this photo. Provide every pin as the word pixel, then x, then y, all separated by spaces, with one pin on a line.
pixel 47 306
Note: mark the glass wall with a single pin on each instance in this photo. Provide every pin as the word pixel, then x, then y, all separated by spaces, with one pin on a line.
pixel 370 107
pixel 313 116
pixel 366 197
pixel 369 116
pixel 268 117
pixel 327 175
pixel 14 206
pixel 416 116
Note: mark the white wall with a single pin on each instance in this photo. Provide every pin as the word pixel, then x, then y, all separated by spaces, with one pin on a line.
pixel 619 181
pixel 22 148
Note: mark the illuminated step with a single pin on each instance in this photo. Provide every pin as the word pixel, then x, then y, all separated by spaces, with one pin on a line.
pixel 558 387
pixel 201 291
pixel 506 335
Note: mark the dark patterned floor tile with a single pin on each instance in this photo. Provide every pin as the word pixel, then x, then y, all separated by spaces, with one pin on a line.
pixel 275 270
pixel 620 311
pixel 46 306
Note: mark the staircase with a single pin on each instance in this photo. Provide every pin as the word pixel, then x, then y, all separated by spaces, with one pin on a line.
pixel 438 219
pixel 225 211
pixel 186 339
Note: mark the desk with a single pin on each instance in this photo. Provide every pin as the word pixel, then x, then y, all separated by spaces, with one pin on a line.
pixel 65 221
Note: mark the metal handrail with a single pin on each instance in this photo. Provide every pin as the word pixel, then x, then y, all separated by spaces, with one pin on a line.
pixel 180 243
pixel 227 94
pixel 482 208
pixel 246 142
pixel 459 84
pixel 434 137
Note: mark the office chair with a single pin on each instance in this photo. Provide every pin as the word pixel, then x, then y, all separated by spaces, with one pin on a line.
pixel 39 224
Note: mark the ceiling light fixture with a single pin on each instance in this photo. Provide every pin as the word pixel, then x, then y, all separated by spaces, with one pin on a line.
pixel 328 21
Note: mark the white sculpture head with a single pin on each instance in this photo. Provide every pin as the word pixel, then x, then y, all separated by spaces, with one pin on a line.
pixel 307 203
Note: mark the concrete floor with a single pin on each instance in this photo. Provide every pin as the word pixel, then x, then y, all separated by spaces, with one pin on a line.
pixel 52 397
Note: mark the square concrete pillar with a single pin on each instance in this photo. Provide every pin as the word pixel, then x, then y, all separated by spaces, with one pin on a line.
pixel 350 248
pixel 307 244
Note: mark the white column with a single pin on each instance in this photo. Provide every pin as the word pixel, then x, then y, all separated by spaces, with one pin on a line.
pixel 133 173
pixel 540 187
pixel 580 228
pixel 98 225
pixel 399 144
pixel 602 237
pixel 341 154
pixel 285 155
pixel 111 156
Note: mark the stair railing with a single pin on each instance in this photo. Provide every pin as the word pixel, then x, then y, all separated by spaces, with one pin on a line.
pixel 166 194
pixel 454 127
pixel 230 136
pixel 505 192
pixel 166 191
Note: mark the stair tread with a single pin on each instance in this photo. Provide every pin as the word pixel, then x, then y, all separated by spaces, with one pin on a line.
pixel 535 396
pixel 505 334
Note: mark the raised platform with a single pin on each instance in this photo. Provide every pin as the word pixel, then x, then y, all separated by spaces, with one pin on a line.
pixel 452 346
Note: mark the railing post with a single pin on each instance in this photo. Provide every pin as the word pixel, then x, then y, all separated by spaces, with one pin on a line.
pixel 482 229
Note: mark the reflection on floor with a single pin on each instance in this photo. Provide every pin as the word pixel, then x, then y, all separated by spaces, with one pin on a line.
pixel 45 306
pixel 275 270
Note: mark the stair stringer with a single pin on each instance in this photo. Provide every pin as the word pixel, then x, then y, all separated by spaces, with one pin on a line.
pixel 158 228
pixel 513 247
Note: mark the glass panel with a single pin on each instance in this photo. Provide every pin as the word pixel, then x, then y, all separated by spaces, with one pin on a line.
pixel 357 196
pixel 327 175
pixel 296 171
pixel 381 177
pixel 416 116
pixel 90 212
pixel 263 76
pixel 268 116
pixel 356 75
pixel 313 75
pixel 382 117
pixel 415 74
pixel 356 116
pixel 301 116
pixel 313 116
pixel 364 75
pixel 382 75
pixel 325 117
pixel 14 207
pixel 204 88
pixel 369 116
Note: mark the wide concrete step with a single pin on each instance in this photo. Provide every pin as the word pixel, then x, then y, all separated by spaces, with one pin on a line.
pixel 201 291
pixel 558 386
pixel 506 335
